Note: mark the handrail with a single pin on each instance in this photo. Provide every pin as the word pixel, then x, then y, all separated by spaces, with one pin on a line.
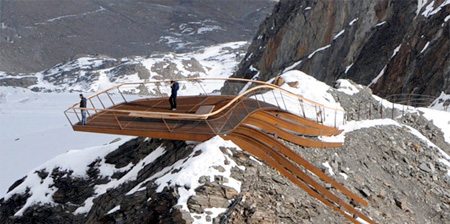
pixel 252 93
pixel 208 79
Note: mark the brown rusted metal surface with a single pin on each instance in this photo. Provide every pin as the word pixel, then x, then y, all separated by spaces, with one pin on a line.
pixel 268 127
pixel 264 153
pixel 266 145
pixel 272 119
pixel 298 160
pixel 304 121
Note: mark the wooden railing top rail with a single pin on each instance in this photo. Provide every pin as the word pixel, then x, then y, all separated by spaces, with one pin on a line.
pixel 261 85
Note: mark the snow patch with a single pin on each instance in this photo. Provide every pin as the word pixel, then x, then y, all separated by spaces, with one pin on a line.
pixel 345 86
pixel 191 169
pixel 318 50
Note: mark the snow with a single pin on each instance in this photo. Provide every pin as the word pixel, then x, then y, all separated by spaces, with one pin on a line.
pixel 381 24
pixel 115 209
pixel 191 169
pixel 312 90
pixel 375 80
pixel 292 66
pixel 353 21
pixel 338 35
pixel 425 47
pixel 131 175
pixel 348 68
pixel 318 50
pixel 327 165
pixel 430 10
pixel 420 4
pixel 440 119
pixel 33 129
pixel 345 86
pixel 74 160
pixel 396 50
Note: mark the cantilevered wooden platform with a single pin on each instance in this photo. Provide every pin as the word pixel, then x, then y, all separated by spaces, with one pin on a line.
pixel 253 118
pixel 153 118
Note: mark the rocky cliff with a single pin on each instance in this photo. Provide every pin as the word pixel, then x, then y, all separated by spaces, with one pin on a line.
pixel 394 47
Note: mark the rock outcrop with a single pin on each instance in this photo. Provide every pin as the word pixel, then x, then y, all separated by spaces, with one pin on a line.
pixel 394 47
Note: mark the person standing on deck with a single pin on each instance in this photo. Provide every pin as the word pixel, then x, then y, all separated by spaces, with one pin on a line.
pixel 173 97
pixel 83 112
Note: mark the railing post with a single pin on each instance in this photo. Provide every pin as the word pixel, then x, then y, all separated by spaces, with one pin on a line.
pixel 202 88
pixel 65 113
pixel 381 109
pixel 303 108
pixel 93 106
pixel 117 119
pixel 212 129
pixel 315 108
pixel 77 115
pixel 359 111
pixel 257 101
pixel 335 116
pixel 101 102
pixel 164 120
pixel 278 105
pixel 282 98
pixel 125 100
pixel 111 99
pixel 392 111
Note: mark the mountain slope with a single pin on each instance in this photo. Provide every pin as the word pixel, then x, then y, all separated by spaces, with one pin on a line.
pixel 403 173
pixel 44 33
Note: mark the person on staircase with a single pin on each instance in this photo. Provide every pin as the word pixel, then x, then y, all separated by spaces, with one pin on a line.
pixel 173 97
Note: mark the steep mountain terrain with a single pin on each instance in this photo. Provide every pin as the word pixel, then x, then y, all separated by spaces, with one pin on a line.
pixel 395 157
pixel 401 167
pixel 35 35
pixel 394 47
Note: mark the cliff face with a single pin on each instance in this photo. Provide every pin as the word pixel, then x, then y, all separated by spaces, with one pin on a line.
pixel 391 46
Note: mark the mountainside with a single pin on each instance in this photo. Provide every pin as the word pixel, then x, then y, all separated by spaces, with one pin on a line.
pixel 401 167
pixel 91 73
pixel 394 47
pixel 396 157
pixel 35 35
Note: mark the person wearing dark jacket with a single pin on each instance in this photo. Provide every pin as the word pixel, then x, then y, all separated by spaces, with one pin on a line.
pixel 173 97
pixel 83 112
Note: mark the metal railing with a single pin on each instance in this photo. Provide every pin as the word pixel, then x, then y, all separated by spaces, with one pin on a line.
pixel 416 100
pixel 246 96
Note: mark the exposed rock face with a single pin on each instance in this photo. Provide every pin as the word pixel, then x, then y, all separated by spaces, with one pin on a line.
pixel 391 46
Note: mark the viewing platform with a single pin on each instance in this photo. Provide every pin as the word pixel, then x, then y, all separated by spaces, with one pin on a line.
pixel 252 114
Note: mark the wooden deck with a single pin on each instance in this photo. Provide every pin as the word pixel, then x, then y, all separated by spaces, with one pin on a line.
pixel 177 125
